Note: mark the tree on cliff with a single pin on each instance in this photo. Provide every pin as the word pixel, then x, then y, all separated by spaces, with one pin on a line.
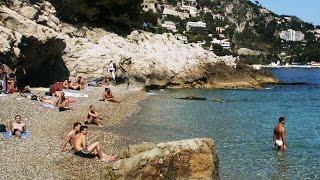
pixel 120 16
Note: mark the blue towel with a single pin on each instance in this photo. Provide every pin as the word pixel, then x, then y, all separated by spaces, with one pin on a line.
pixel 49 106
pixel 8 135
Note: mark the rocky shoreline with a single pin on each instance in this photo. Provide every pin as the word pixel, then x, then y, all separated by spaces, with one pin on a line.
pixel 51 50
pixel 39 157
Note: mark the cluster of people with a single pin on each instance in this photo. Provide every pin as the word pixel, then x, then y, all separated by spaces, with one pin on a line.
pixel 58 99
pixel 14 81
pixel 76 138
pixel 78 83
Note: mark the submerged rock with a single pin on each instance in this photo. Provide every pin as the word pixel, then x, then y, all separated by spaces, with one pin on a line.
pixel 193 98
pixel 186 159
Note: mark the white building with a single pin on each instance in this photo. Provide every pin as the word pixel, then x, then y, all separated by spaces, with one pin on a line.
pixel 169 25
pixel 182 38
pixel 196 25
pixel 224 43
pixel 149 5
pixel 189 2
pixel 291 35
pixel 193 11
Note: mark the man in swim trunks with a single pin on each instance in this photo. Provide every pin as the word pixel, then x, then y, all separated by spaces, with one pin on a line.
pixel 279 135
pixel 89 151
pixel 93 117
pixel 108 96
pixel 17 127
pixel 70 137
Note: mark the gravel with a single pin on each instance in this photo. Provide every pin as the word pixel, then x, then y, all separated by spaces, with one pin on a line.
pixel 39 156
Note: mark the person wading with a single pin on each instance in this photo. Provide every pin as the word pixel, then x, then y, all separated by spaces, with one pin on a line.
pixel 279 135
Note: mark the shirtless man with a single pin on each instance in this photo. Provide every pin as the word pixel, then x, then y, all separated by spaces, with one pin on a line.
pixel 93 117
pixel 70 137
pixel 63 102
pixel 82 82
pixel 89 151
pixel 108 96
pixel 279 135
pixel 17 127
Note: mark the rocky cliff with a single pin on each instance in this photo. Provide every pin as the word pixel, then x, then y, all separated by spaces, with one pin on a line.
pixel 187 159
pixel 50 50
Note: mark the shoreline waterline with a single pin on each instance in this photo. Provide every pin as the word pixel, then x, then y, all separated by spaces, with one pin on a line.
pixel 40 155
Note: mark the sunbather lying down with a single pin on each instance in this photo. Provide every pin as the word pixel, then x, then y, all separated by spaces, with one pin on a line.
pixel 58 100
pixel 17 127
pixel 75 84
pixel 93 150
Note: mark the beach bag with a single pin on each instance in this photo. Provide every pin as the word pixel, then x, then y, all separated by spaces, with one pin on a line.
pixel 2 128
pixel 34 98
pixel 58 86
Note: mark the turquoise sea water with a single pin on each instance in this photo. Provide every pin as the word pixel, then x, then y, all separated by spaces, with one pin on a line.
pixel 242 126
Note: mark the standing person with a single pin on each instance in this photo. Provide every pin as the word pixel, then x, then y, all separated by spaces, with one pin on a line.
pixel 70 136
pixel 20 74
pixel 93 150
pixel 279 135
pixel 3 79
pixel 112 70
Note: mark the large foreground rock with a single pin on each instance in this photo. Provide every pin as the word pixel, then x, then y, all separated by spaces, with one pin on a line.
pixel 186 159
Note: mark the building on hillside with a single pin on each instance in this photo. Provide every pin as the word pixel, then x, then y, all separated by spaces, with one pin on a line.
pixel 193 11
pixel 149 5
pixel 291 35
pixel 169 25
pixel 196 26
pixel 182 38
pixel 317 33
pixel 220 29
pixel 224 43
pixel 218 17
pixel 171 10
pixel 192 3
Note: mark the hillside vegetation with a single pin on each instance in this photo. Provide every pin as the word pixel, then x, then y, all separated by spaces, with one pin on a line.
pixel 245 24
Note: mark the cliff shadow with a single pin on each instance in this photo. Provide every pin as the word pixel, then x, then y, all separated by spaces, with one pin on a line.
pixel 48 73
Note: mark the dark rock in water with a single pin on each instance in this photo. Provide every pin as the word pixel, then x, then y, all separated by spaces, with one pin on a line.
pixel 193 98
pixel 186 159
pixel 294 83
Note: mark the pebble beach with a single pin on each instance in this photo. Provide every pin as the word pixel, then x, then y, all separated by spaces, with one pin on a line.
pixel 39 156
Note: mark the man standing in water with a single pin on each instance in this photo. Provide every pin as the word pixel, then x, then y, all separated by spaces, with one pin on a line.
pixel 279 135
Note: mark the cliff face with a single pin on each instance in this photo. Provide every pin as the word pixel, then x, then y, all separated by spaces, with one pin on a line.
pixel 187 159
pixel 31 35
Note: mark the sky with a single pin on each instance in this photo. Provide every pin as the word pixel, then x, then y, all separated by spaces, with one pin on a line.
pixel 307 10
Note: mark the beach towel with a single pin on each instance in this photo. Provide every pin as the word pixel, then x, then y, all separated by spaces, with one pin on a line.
pixel 76 94
pixel 49 106
pixel 8 135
